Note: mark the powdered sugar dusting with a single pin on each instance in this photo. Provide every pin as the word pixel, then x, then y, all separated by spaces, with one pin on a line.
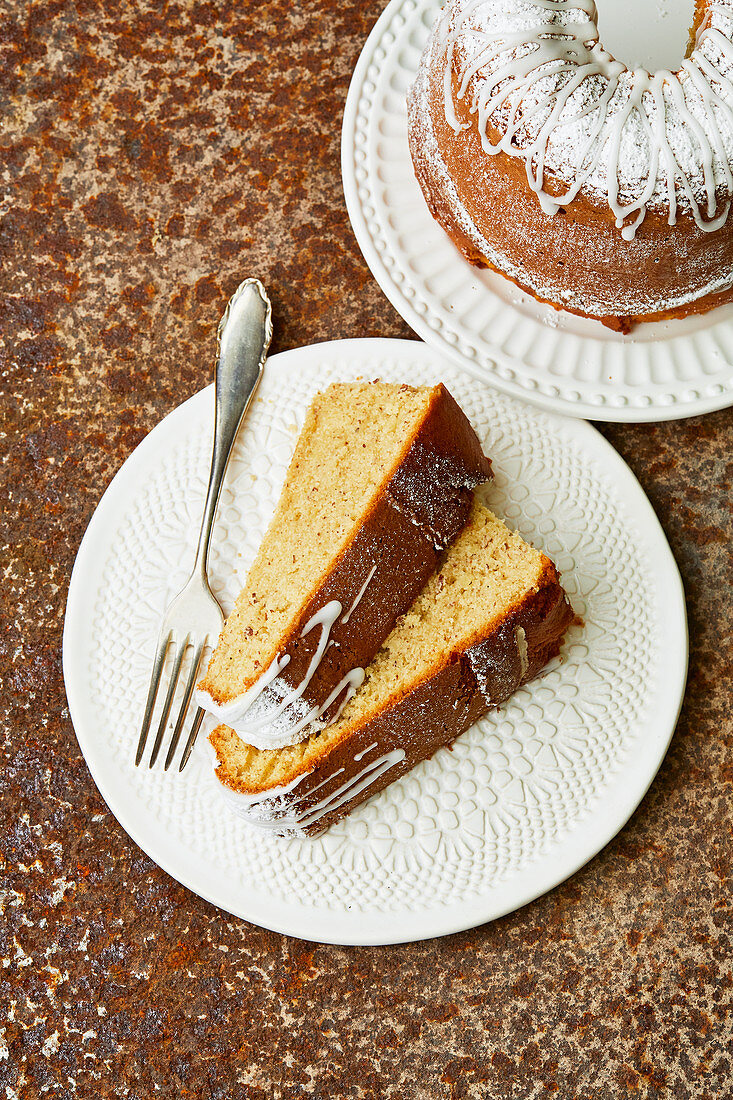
pixel 535 73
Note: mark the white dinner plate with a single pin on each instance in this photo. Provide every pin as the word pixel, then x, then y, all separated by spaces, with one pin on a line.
pixel 521 800
pixel 565 363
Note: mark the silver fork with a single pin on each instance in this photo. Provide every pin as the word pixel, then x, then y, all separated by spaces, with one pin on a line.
pixel 194 618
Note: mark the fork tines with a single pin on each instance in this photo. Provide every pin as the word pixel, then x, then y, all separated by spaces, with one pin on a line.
pixel 180 649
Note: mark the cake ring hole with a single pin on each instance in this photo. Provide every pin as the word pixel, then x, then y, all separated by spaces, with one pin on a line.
pixel 648 36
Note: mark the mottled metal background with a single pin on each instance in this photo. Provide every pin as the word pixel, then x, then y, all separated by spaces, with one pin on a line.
pixel 152 154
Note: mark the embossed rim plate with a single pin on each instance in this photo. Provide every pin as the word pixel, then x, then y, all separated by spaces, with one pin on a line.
pixel 521 801
pixel 663 371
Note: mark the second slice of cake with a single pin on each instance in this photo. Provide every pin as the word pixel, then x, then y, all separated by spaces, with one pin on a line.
pixel 486 623
pixel 379 486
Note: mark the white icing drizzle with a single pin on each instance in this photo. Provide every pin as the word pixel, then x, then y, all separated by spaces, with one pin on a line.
pixel 231 712
pixel 253 722
pixel 359 755
pixel 359 596
pixel 273 810
pixel 270 716
pixel 521 639
pixel 351 682
pixel 536 71
pixel 352 787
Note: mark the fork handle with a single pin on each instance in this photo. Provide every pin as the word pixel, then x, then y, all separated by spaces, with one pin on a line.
pixel 243 338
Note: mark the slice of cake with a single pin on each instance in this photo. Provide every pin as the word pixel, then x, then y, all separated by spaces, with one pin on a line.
pixel 487 622
pixel 380 484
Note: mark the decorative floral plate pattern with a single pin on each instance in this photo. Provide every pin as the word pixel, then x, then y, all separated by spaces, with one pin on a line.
pixel 520 801
pixel 661 372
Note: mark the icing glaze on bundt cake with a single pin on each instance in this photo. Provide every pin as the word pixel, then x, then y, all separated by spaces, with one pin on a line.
pixel 600 189
pixel 488 621
pixel 381 482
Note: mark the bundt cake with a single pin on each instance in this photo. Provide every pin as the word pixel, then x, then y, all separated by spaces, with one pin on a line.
pixel 601 190
pixel 487 622
pixel 379 485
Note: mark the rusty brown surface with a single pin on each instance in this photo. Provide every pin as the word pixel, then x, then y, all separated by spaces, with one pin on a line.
pixel 151 155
